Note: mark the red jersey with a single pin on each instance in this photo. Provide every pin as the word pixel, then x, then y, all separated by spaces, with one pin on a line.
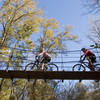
pixel 44 54
pixel 88 53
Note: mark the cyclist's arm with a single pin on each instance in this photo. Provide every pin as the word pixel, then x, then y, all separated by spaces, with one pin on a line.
pixel 82 58
pixel 40 54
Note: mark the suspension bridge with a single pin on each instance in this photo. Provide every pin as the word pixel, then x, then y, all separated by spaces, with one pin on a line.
pixel 65 63
pixel 58 75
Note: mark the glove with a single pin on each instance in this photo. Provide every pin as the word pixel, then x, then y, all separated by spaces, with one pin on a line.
pixel 81 56
pixel 36 56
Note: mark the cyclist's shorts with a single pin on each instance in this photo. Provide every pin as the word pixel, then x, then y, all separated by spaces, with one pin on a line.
pixel 46 60
pixel 93 59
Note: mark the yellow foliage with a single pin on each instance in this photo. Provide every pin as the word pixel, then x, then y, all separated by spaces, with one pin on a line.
pixel 53 46
pixel 32 25
pixel 38 12
pixel 5 95
pixel 36 20
pixel 11 32
pixel 5 50
pixel 66 32
pixel 56 41
pixel 12 97
pixel 50 23
pixel 4 54
pixel 36 29
pixel 29 42
pixel 49 33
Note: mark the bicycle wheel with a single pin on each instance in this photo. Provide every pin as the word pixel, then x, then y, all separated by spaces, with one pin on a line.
pixel 31 66
pixel 97 67
pixel 51 67
pixel 78 67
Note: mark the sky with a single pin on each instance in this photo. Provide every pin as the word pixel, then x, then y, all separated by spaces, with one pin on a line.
pixel 69 12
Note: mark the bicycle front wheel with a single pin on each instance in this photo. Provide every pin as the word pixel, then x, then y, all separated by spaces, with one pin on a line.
pixel 52 67
pixel 97 67
pixel 78 67
pixel 30 67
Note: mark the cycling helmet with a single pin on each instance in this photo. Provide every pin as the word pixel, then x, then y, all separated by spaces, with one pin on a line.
pixel 83 49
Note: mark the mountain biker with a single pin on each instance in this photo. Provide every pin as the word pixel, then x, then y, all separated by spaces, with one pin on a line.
pixel 43 57
pixel 90 56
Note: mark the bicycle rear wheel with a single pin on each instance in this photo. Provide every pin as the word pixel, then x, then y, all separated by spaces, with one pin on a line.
pixel 52 67
pixel 97 67
pixel 78 67
pixel 30 67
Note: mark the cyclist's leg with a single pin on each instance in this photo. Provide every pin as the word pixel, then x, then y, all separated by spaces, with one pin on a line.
pixel 93 60
pixel 42 64
pixel 46 60
pixel 90 65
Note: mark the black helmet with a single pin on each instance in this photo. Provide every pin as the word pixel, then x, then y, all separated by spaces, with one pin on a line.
pixel 83 49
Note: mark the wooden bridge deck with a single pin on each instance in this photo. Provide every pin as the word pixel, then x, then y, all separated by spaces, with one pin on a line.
pixel 64 75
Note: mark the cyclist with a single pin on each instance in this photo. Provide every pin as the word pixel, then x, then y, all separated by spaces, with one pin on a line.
pixel 90 57
pixel 43 57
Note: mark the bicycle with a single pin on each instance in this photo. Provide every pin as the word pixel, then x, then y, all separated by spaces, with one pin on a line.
pixel 36 66
pixel 81 66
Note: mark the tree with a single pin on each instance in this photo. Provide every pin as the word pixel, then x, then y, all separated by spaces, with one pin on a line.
pixel 93 6
pixel 72 91
pixel 18 21
pixel 42 91
pixel 51 37
pixel 94 93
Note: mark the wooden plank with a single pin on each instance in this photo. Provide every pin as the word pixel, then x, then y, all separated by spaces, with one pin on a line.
pixel 65 75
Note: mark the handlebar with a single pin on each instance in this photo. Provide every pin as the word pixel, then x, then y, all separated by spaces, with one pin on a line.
pixel 37 58
pixel 81 60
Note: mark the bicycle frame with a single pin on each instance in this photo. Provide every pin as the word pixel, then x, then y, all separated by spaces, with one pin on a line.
pixel 81 66
pixel 37 62
pixel 85 64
